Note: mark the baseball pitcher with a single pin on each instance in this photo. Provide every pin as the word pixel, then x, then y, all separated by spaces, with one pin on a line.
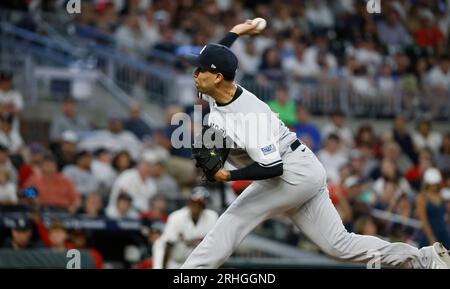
pixel 287 177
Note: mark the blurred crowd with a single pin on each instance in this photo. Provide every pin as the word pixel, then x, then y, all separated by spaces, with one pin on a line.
pixel 129 170
pixel 399 55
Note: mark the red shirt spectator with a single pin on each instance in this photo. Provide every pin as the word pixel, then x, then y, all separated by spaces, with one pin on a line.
pixel 54 189
pixel 428 35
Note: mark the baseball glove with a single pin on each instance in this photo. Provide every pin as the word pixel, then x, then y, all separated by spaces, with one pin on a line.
pixel 209 151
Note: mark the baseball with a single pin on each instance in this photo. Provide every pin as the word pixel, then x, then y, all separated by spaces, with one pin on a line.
pixel 261 23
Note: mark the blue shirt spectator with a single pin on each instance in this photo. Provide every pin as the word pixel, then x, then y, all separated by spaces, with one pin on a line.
pixel 306 130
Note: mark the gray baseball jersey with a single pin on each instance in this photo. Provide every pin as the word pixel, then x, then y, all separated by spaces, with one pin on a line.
pixel 300 193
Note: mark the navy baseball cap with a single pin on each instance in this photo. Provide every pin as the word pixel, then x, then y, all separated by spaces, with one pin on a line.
pixel 215 58
pixel 22 224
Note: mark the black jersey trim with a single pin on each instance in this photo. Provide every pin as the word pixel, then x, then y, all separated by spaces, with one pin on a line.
pixel 237 93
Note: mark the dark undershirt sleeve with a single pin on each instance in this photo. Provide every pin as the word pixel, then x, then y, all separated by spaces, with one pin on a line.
pixel 229 39
pixel 255 172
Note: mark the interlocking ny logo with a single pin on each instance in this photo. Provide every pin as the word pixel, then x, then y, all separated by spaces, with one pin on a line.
pixel 373 6
pixel 73 6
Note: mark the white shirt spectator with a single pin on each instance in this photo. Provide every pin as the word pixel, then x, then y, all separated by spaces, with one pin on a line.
pixel 332 163
pixel 438 78
pixel 433 141
pixel 362 85
pixel 403 187
pixel 104 173
pixel 9 167
pixel 141 191
pixel 114 142
pixel 344 133
pixel 12 96
pixel 319 15
pixel 311 54
pixel 248 62
pixel 300 68
pixel 12 140
pixel 180 228
pixel 8 193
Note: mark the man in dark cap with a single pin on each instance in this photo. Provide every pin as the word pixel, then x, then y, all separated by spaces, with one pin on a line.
pixel 21 235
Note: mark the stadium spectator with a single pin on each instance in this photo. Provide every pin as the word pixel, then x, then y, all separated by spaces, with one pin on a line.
pixel 165 183
pixel 386 199
pixel 439 75
pixel 391 150
pixel 403 137
pixel 338 196
pixel 102 169
pixel 123 208
pixel 333 157
pixel 390 173
pixel 68 120
pixel 391 32
pixel 135 124
pixel 6 164
pixel 424 136
pixel 353 191
pixel 186 228
pixel 115 138
pixel 157 209
pixel 32 165
pixel 428 34
pixel 80 174
pixel 247 55
pixel 137 183
pixel 106 18
pixel 80 242
pixel 149 26
pixel 319 15
pixel 298 66
pixel 167 41
pixel 122 161
pixel 431 210
pixel 270 68
pixel 92 206
pixel 307 130
pixel 131 38
pixel 8 189
pixel 54 189
pixel 338 127
pixel 443 158
pixel 365 225
pixel 415 174
pixel 21 235
pixel 9 137
pixel 58 237
pixel 283 106
pixel 179 165
pixel 66 148
pixel 152 231
pixel 10 98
